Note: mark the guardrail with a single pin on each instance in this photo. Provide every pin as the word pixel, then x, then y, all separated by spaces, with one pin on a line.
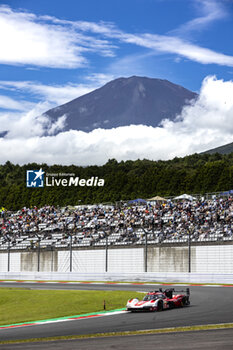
pixel 194 278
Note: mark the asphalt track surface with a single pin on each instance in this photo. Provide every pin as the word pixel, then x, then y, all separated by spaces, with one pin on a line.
pixel 209 305
pixel 203 340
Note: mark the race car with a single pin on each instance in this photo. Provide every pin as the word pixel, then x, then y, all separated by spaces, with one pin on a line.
pixel 160 300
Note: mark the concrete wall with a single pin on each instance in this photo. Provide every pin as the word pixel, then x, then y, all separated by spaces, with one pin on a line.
pixel 169 259
pixel 29 261
pixel 204 259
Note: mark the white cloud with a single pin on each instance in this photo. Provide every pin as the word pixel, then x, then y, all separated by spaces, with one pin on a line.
pixel 175 45
pixel 27 125
pixel 48 41
pixel 211 11
pixel 99 79
pixel 12 104
pixel 32 40
pixel 54 94
pixel 205 124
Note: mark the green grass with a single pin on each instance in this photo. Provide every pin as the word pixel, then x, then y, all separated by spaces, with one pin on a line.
pixel 23 305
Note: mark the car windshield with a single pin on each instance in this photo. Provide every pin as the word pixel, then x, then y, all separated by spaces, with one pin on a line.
pixel 150 297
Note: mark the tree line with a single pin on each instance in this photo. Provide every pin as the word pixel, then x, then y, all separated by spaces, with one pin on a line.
pixel 124 180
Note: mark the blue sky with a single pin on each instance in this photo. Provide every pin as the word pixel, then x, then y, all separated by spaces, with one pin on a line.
pixel 203 24
pixel 54 51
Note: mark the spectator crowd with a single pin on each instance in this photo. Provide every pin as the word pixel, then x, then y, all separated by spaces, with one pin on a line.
pixel 168 221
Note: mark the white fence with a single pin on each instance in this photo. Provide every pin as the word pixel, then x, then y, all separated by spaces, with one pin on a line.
pixel 210 259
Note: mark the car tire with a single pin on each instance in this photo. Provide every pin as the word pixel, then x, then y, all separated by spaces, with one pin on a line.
pixel 160 306
pixel 183 302
pixel 171 305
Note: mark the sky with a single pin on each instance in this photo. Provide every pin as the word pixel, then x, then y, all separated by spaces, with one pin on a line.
pixel 55 51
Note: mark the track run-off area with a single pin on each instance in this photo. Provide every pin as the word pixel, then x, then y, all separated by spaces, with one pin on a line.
pixel 210 305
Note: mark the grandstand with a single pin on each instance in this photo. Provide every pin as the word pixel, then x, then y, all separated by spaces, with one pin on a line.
pixel 91 226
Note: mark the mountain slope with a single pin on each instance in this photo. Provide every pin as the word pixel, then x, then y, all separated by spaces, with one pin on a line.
pixel 124 101
pixel 225 149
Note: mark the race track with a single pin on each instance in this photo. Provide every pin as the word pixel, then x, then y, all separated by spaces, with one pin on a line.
pixel 204 340
pixel 209 305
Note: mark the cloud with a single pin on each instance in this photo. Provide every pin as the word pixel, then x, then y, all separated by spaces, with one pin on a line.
pixel 181 47
pixel 51 42
pixel 11 104
pixel 25 126
pixel 32 40
pixel 54 94
pixel 133 64
pixel 205 124
pixel 211 11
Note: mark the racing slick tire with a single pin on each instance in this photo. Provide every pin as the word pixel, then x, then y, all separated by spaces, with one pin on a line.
pixel 184 302
pixel 160 306
pixel 171 305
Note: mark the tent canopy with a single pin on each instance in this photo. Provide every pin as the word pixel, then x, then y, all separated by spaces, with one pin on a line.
pixel 226 193
pixel 186 196
pixel 157 198
pixel 137 200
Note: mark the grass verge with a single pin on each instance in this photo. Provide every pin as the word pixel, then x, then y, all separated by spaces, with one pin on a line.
pixel 24 305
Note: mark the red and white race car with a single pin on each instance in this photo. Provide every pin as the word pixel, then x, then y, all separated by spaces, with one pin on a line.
pixel 160 300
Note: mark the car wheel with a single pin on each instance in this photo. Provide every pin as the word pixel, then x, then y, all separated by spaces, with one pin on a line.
pixel 171 305
pixel 183 302
pixel 160 306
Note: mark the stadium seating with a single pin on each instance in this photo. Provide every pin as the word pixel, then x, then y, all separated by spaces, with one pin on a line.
pixel 167 223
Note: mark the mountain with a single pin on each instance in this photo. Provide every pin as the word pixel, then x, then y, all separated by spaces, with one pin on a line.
pixel 225 149
pixel 124 101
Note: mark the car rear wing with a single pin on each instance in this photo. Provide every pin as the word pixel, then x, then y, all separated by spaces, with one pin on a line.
pixel 172 290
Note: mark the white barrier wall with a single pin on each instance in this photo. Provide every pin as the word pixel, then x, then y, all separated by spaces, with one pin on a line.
pixel 119 260
pixel 15 265
pixel 82 261
pixel 133 277
pixel 214 258
pixel 15 262
pixel 169 259
pixel 204 259
pixel 3 262
pixel 126 260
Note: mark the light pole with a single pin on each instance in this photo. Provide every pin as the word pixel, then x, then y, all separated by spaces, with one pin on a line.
pixel 70 252
pixel 190 231
pixel 146 248
pixel 106 232
pixel 38 252
pixel 189 250
pixel 106 257
pixel 8 254
pixel 52 258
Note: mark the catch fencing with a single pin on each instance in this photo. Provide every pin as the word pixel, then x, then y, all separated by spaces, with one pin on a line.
pixel 184 257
